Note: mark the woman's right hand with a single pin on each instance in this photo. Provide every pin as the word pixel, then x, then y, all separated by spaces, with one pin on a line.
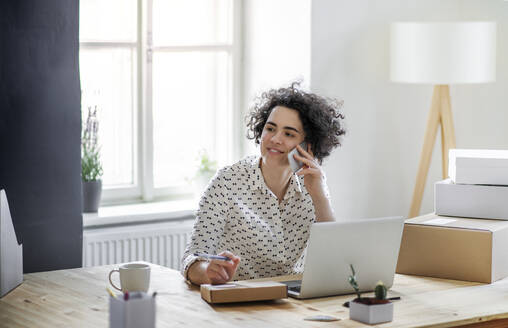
pixel 219 271
pixel 214 271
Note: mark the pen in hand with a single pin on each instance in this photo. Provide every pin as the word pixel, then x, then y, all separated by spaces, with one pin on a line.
pixel 212 257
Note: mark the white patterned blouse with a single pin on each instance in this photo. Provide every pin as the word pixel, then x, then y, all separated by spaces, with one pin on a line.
pixel 240 214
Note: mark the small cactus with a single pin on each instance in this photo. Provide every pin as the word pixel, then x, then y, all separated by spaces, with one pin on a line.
pixel 380 291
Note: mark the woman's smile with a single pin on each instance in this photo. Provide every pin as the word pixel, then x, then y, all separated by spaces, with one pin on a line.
pixel 275 151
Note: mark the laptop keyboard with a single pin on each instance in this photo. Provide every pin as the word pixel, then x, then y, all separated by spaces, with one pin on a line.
pixel 293 285
pixel 295 289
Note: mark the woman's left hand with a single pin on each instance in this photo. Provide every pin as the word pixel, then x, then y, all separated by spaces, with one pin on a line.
pixel 312 172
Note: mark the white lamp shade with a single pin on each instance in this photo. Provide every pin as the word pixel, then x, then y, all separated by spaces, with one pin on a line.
pixel 443 53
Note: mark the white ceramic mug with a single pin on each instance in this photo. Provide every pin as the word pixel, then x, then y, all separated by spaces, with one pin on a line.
pixel 134 277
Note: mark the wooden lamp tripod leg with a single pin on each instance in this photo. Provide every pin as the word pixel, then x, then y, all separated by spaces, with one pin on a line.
pixel 447 130
pixel 444 150
pixel 426 155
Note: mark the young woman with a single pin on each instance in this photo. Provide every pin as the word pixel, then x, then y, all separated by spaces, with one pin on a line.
pixel 257 212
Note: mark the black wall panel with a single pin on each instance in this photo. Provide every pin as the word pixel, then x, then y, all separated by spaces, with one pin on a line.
pixel 40 125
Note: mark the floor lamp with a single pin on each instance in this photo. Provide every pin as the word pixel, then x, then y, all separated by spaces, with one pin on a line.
pixel 440 54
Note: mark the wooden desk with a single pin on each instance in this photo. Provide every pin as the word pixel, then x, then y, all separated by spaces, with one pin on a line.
pixel 77 298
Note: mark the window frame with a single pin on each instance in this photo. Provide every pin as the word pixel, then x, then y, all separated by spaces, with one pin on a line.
pixel 142 189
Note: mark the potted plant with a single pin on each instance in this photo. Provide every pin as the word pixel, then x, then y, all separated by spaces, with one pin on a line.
pixel 370 310
pixel 91 167
pixel 205 171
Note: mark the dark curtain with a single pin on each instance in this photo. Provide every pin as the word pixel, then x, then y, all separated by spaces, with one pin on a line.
pixel 40 124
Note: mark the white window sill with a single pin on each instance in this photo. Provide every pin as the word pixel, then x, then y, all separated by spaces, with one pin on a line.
pixel 140 213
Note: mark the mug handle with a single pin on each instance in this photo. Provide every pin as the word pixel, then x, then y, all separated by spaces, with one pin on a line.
pixel 111 282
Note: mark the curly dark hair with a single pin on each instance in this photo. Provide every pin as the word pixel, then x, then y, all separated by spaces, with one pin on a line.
pixel 321 119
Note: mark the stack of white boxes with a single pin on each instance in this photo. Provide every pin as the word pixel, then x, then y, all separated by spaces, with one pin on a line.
pixel 477 187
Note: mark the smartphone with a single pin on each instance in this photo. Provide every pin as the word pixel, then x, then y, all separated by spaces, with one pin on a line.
pixel 296 165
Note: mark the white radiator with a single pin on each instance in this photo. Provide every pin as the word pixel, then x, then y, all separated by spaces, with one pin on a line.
pixel 159 243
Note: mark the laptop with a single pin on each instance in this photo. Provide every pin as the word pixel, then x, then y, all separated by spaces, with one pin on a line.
pixel 370 245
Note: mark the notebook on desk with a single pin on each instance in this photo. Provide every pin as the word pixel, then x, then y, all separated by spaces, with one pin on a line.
pixel 370 245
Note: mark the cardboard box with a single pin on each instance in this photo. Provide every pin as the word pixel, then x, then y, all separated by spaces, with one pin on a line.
pixel 478 166
pixel 11 252
pixel 454 248
pixel 244 291
pixel 473 201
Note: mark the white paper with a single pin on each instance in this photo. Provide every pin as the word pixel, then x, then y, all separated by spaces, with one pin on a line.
pixel 439 221
pixel 254 284
pixel 224 286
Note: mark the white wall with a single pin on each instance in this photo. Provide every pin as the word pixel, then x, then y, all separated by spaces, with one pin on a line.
pixel 373 173
pixel 276 50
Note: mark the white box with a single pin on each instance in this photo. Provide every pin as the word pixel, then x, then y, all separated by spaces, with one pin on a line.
pixel 478 166
pixel 11 253
pixel 132 313
pixel 471 201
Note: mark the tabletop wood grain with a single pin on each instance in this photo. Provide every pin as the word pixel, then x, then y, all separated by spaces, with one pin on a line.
pixel 77 298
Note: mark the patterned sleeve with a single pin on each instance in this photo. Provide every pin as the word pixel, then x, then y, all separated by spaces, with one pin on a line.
pixel 210 221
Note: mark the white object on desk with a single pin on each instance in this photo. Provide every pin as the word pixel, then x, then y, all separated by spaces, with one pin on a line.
pixel 11 253
pixel 137 311
pixel 371 314
pixel 478 166
pixel 439 221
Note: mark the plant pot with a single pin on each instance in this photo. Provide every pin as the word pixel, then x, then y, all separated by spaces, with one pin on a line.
pixel 91 195
pixel 370 313
pixel 201 181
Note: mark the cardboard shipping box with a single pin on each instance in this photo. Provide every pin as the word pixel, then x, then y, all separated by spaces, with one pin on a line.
pixel 454 248
pixel 244 291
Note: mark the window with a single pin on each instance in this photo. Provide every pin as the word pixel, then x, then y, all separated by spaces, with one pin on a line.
pixel 163 75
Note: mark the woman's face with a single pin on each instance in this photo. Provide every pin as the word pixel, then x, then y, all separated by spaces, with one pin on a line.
pixel 283 130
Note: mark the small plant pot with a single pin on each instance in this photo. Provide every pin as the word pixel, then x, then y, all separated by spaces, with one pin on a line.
pixel 91 195
pixel 371 310
pixel 201 182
